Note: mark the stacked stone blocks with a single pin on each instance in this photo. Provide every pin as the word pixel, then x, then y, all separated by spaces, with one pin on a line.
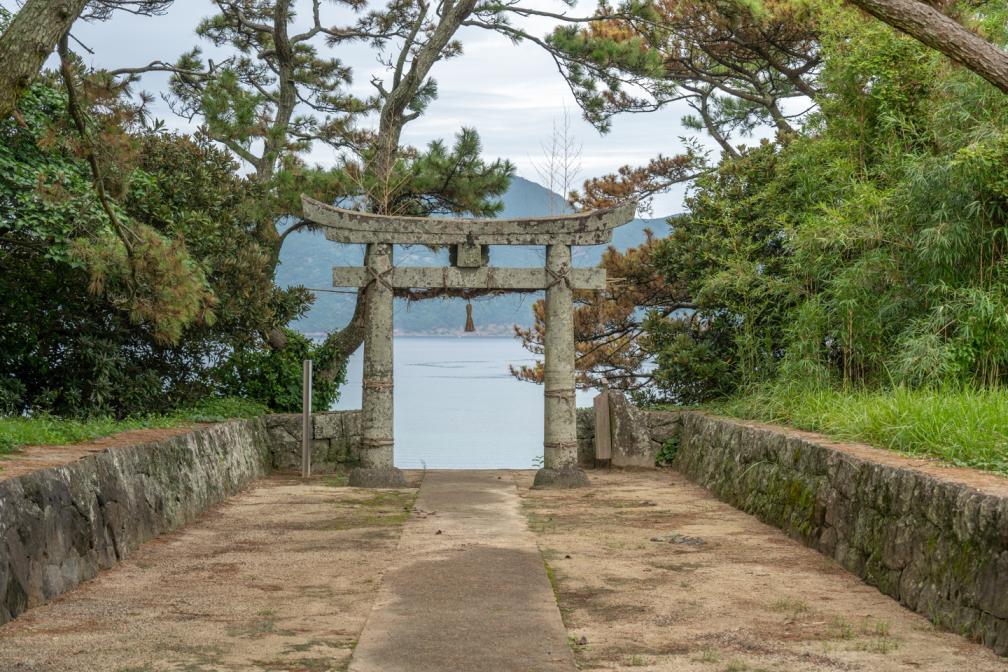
pixel 335 441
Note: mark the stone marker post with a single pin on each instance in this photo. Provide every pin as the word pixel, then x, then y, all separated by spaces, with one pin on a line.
pixel 376 455
pixel 560 467
pixel 603 429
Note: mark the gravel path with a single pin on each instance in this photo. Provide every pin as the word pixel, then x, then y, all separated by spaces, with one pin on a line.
pixel 653 573
pixel 281 577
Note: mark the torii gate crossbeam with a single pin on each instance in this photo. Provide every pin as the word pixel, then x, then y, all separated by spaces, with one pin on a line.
pixel 469 236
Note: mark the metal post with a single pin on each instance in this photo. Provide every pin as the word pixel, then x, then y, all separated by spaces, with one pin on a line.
pixel 306 420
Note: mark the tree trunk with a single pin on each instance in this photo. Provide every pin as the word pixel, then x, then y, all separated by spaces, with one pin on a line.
pixel 275 142
pixel 392 118
pixel 27 43
pixel 942 33
pixel 346 341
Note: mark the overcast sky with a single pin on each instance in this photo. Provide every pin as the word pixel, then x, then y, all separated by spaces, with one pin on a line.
pixel 510 94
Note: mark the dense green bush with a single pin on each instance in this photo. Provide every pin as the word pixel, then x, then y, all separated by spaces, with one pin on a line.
pixel 732 253
pixel 69 350
pixel 274 377
pixel 868 250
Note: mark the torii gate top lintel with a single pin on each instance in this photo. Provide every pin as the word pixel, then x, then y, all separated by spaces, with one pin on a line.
pixel 469 269
pixel 581 228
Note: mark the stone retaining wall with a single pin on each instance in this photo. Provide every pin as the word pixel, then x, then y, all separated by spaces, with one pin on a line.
pixel 60 526
pixel 636 434
pixel 586 437
pixel 335 446
pixel 937 545
pixel 934 539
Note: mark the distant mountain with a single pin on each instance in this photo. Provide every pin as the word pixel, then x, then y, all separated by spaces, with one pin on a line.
pixel 307 259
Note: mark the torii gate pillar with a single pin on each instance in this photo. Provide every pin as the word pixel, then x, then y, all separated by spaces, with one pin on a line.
pixel 560 467
pixel 377 445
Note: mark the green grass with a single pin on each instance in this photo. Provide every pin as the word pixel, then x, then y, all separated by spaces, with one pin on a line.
pixel 48 430
pixel 962 427
pixel 217 409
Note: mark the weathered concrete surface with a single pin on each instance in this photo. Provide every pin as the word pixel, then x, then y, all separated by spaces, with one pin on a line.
pixel 586 437
pixel 389 477
pixel 377 443
pixel 571 477
pixel 580 228
pixel 637 434
pixel 631 445
pixel 280 577
pixel 934 538
pixel 468 592
pixel 484 277
pixel 60 526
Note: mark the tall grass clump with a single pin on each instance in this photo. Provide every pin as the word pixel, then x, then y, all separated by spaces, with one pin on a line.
pixel 51 430
pixel 962 426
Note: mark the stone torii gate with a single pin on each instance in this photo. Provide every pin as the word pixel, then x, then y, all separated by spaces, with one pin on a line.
pixel 469 239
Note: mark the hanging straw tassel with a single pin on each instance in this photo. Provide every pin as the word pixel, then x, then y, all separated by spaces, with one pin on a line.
pixel 470 327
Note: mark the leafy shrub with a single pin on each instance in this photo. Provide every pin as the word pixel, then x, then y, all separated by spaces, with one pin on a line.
pixel 273 377
pixel 667 452
pixel 77 348
pixel 223 408
pixel 7 445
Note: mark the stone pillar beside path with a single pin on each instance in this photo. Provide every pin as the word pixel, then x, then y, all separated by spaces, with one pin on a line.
pixel 377 444
pixel 560 463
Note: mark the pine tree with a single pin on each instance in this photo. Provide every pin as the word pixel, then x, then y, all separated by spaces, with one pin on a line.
pixel 277 95
pixel 32 34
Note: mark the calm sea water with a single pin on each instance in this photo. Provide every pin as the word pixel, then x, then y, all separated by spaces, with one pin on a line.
pixel 456 405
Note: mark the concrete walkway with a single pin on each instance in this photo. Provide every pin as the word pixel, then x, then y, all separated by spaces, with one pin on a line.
pixel 468 589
